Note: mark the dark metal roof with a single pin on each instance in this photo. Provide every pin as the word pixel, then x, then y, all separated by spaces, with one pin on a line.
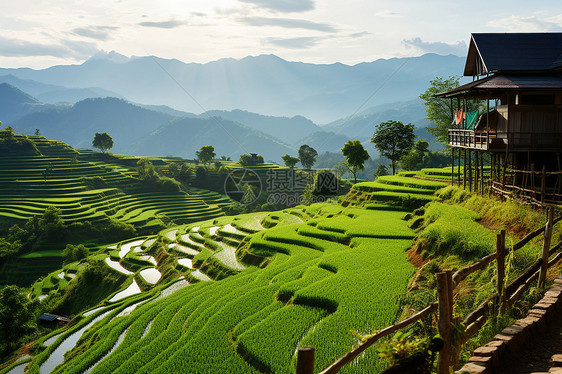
pixel 52 317
pixel 514 52
pixel 507 82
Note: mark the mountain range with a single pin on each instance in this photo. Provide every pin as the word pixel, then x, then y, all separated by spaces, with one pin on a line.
pixel 264 84
pixel 69 103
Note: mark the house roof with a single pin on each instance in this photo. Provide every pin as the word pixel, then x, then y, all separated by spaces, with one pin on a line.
pixel 52 317
pixel 513 52
pixel 502 82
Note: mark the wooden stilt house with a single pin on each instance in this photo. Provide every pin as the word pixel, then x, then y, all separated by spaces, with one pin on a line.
pixel 510 144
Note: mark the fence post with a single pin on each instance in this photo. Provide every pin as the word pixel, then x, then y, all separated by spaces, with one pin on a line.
pixel 543 184
pixel 305 360
pixel 444 285
pixel 500 268
pixel 546 247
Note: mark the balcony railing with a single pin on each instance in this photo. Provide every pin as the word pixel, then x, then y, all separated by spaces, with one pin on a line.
pixel 515 140
pixel 468 139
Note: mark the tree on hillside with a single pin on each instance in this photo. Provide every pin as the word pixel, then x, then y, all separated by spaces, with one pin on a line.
pixel 355 156
pixel 103 141
pixel 440 111
pixel 206 154
pixel 16 317
pixel 290 161
pixel 414 160
pixel 145 170
pixel 307 156
pixel 394 140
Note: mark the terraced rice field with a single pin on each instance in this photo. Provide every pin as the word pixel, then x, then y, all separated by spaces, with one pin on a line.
pixel 30 183
pixel 397 188
pixel 260 285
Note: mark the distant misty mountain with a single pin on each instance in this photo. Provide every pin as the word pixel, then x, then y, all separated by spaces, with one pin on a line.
pixel 76 124
pixel 289 130
pixel 264 84
pixel 50 93
pixel 15 103
pixel 184 136
pixel 135 130
pixel 324 141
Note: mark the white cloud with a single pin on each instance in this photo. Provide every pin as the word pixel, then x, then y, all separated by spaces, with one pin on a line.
pixel 288 6
pixel 295 43
pixel 528 24
pixel 63 49
pixel 388 14
pixel 458 48
pixel 287 23
pixel 170 24
pixel 95 32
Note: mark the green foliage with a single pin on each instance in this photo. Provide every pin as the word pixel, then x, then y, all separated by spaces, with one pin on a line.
pixel 248 160
pixel 8 249
pixel 206 154
pixel 440 111
pixel 289 160
pixel 17 317
pixel 146 171
pixel 355 156
pixel 73 253
pixel 201 174
pixel 307 156
pixel 381 170
pixel 414 160
pixel 102 141
pixel 401 346
pixel 394 140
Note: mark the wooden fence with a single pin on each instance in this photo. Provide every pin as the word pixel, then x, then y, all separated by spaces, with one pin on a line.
pixel 529 186
pixel 447 281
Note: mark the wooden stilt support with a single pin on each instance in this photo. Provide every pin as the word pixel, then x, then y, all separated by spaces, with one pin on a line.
pixel 464 169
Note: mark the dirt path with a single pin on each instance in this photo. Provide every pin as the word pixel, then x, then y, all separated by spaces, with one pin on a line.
pixel 536 354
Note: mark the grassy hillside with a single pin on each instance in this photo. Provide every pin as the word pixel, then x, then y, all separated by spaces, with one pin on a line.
pixel 37 173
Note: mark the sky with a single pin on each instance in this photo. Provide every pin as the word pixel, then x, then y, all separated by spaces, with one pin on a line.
pixel 43 33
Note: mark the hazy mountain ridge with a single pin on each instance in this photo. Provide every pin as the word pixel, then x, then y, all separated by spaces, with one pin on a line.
pixel 14 103
pixel 53 94
pixel 136 130
pixel 184 136
pixel 263 84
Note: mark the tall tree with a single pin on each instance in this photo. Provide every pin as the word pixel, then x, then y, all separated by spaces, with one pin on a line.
pixel 307 156
pixel 102 141
pixel 415 159
pixel 206 154
pixel 393 139
pixel 440 111
pixel 290 161
pixel 355 156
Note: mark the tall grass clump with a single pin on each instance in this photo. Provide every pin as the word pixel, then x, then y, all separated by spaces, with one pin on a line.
pixel 452 230
pixel 516 218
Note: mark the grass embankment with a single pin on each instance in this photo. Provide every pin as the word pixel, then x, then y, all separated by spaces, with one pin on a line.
pixel 460 229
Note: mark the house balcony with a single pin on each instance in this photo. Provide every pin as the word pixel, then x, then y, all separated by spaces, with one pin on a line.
pixel 515 141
